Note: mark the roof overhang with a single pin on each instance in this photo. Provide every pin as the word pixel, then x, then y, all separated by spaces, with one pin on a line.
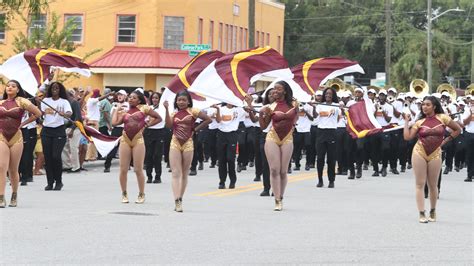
pixel 134 70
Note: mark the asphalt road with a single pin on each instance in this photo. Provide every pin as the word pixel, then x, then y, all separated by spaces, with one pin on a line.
pixel 373 220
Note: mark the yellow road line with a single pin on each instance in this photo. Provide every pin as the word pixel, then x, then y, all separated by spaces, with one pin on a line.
pixel 253 187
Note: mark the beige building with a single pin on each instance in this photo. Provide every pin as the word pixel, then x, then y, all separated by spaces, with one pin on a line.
pixel 140 40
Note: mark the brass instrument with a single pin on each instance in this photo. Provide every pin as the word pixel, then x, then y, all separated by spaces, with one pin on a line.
pixel 336 84
pixel 419 88
pixel 470 90
pixel 448 88
pixel 390 99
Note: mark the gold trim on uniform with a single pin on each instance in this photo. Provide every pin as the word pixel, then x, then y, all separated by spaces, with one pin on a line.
pixel 132 143
pixel 420 150
pixel 187 146
pixel 17 138
pixel 273 136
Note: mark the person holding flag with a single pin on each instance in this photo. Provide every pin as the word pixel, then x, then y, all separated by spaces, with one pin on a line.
pixel 12 107
pixel 55 108
pixel 282 113
pixel 182 147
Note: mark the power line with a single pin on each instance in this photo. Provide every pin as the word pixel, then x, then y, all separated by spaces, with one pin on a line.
pixel 351 16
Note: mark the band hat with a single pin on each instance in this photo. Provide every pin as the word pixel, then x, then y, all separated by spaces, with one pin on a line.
pixel 319 93
pixel 372 91
pixel 418 101
pixel 460 102
pixel 358 89
pixel 140 90
pixel 401 97
pixel 468 96
pixel 392 90
pixel 123 92
pixel 382 91
pixel 437 95
pixel 446 94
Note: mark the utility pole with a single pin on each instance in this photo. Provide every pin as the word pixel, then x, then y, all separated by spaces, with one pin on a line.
pixel 428 60
pixel 388 42
pixel 251 23
pixel 472 57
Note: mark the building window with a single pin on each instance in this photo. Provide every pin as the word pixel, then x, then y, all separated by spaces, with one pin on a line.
pixel 246 44
pixel 211 34
pixel 236 10
pixel 2 27
pixel 262 39
pixel 226 38
pixel 219 38
pixel 279 44
pixel 174 32
pixel 200 30
pixel 234 38
pixel 268 39
pixel 37 25
pixel 240 45
pixel 126 29
pixel 257 38
pixel 75 21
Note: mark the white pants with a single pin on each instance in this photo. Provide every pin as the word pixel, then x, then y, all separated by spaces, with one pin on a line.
pixel 70 154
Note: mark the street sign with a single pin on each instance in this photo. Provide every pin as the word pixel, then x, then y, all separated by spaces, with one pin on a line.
pixel 193 53
pixel 195 47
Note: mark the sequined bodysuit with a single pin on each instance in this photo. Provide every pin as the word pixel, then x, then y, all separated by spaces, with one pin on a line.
pixel 134 123
pixel 283 120
pixel 183 127
pixel 430 136
pixel 11 112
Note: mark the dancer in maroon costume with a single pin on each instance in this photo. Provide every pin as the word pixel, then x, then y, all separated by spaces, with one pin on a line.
pixel 12 108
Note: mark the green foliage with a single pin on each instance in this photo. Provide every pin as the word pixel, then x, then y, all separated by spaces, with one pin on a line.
pixel 355 29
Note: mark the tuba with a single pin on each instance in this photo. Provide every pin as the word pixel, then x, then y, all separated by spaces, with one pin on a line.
pixel 419 88
pixel 336 84
pixel 448 88
pixel 469 90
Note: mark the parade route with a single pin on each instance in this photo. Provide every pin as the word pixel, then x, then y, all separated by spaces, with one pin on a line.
pixel 368 221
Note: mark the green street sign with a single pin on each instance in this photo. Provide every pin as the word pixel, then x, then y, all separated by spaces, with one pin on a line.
pixel 193 53
pixel 195 47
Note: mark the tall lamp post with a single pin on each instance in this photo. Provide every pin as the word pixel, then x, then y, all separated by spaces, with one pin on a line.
pixel 430 20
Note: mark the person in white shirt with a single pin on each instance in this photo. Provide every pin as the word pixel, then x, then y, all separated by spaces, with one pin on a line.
pixel 118 129
pixel 154 135
pixel 92 119
pixel 211 136
pixel 228 118
pixel 468 120
pixel 326 144
pixel 311 153
pixel 380 143
pixel 55 108
pixel 302 135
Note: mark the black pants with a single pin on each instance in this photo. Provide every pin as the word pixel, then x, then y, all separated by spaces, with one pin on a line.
pixel 198 140
pixel 26 163
pixel 362 154
pixel 104 130
pixel 403 151
pixel 53 140
pixel 242 159
pixel 251 142
pixel 341 149
pixel 116 132
pixel 450 150
pixel 154 139
pixel 469 140
pixel 460 151
pixel 301 140
pixel 210 145
pixel 166 145
pixel 394 148
pixel 254 135
pixel 226 148
pixel 326 145
pixel 265 167
pixel 351 152
pixel 380 145
pixel 311 152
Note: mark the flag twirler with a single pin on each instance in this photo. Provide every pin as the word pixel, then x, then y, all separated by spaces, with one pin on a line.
pixel 228 78
pixel 33 67
pixel 361 121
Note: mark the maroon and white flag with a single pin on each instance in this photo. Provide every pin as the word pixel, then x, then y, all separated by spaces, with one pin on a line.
pixel 33 67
